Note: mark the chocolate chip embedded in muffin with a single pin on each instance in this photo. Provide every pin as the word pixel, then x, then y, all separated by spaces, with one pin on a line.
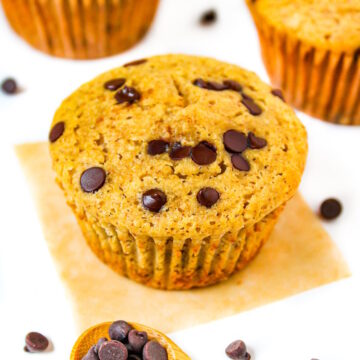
pixel 119 330
pixel 278 93
pixel 234 141
pixel 113 349
pixel 135 62
pixel 36 342
pixel 114 84
pixel 207 197
pixel 255 142
pixel 153 200
pixel 56 131
pixel 237 351
pixel 330 209
pixel 203 153
pixel 210 85
pixel 249 103
pixel 179 152
pixel 154 351
pixel 239 162
pixel 157 147
pixel 127 94
pixel 233 85
pixel 92 179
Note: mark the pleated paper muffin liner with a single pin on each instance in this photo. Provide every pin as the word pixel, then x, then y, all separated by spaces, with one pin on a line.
pixel 169 263
pixel 322 83
pixel 81 29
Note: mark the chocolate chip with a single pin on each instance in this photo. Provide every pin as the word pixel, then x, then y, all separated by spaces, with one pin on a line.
pixel 99 343
pixel 237 351
pixel 119 330
pixel 210 85
pixel 232 85
pixel 114 84
pixel 249 103
pixel 239 162
pixel 92 179
pixel 278 93
pixel 203 153
pixel 137 340
pixel 330 209
pixel 255 142
pixel 234 141
pixel 9 86
pixel 208 17
pixel 113 350
pixel 127 94
pixel 135 62
pixel 36 342
pixel 56 131
pixel 207 197
pixel 91 354
pixel 154 351
pixel 156 147
pixel 179 152
pixel 154 200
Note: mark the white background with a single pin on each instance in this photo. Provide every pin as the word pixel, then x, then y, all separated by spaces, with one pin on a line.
pixel 322 323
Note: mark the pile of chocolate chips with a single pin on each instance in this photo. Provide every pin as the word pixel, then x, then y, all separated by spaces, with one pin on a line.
pixel 126 343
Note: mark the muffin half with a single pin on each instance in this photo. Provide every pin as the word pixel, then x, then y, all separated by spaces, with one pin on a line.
pixel 311 51
pixel 177 167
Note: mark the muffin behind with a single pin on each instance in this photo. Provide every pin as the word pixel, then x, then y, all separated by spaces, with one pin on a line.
pixel 137 149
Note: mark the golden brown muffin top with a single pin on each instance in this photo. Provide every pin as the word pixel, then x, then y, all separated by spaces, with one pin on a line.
pixel 182 100
pixel 329 24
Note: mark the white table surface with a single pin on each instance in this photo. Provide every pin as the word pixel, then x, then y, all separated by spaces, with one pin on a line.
pixel 322 323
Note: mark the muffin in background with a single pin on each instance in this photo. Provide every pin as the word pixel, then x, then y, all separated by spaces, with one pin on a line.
pixel 81 29
pixel 311 51
pixel 177 167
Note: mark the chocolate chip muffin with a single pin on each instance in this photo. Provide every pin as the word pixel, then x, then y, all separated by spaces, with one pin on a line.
pixel 311 50
pixel 80 29
pixel 177 167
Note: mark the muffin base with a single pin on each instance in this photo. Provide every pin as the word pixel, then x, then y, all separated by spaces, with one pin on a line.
pixel 320 82
pixel 174 264
pixel 84 29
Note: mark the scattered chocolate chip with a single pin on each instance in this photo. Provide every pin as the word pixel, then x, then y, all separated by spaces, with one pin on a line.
pixel 255 142
pixel 119 330
pixel 249 103
pixel 234 141
pixel 91 354
pixel 203 153
pixel 207 197
pixel 127 94
pixel 239 162
pixel 99 343
pixel 56 131
pixel 232 85
pixel 36 342
pixel 278 93
pixel 330 209
pixel 208 17
pixel 113 349
pixel 137 340
pixel 154 200
pixel 237 351
pixel 135 62
pixel 210 85
pixel 154 351
pixel 156 147
pixel 114 84
pixel 179 152
pixel 9 86
pixel 92 179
